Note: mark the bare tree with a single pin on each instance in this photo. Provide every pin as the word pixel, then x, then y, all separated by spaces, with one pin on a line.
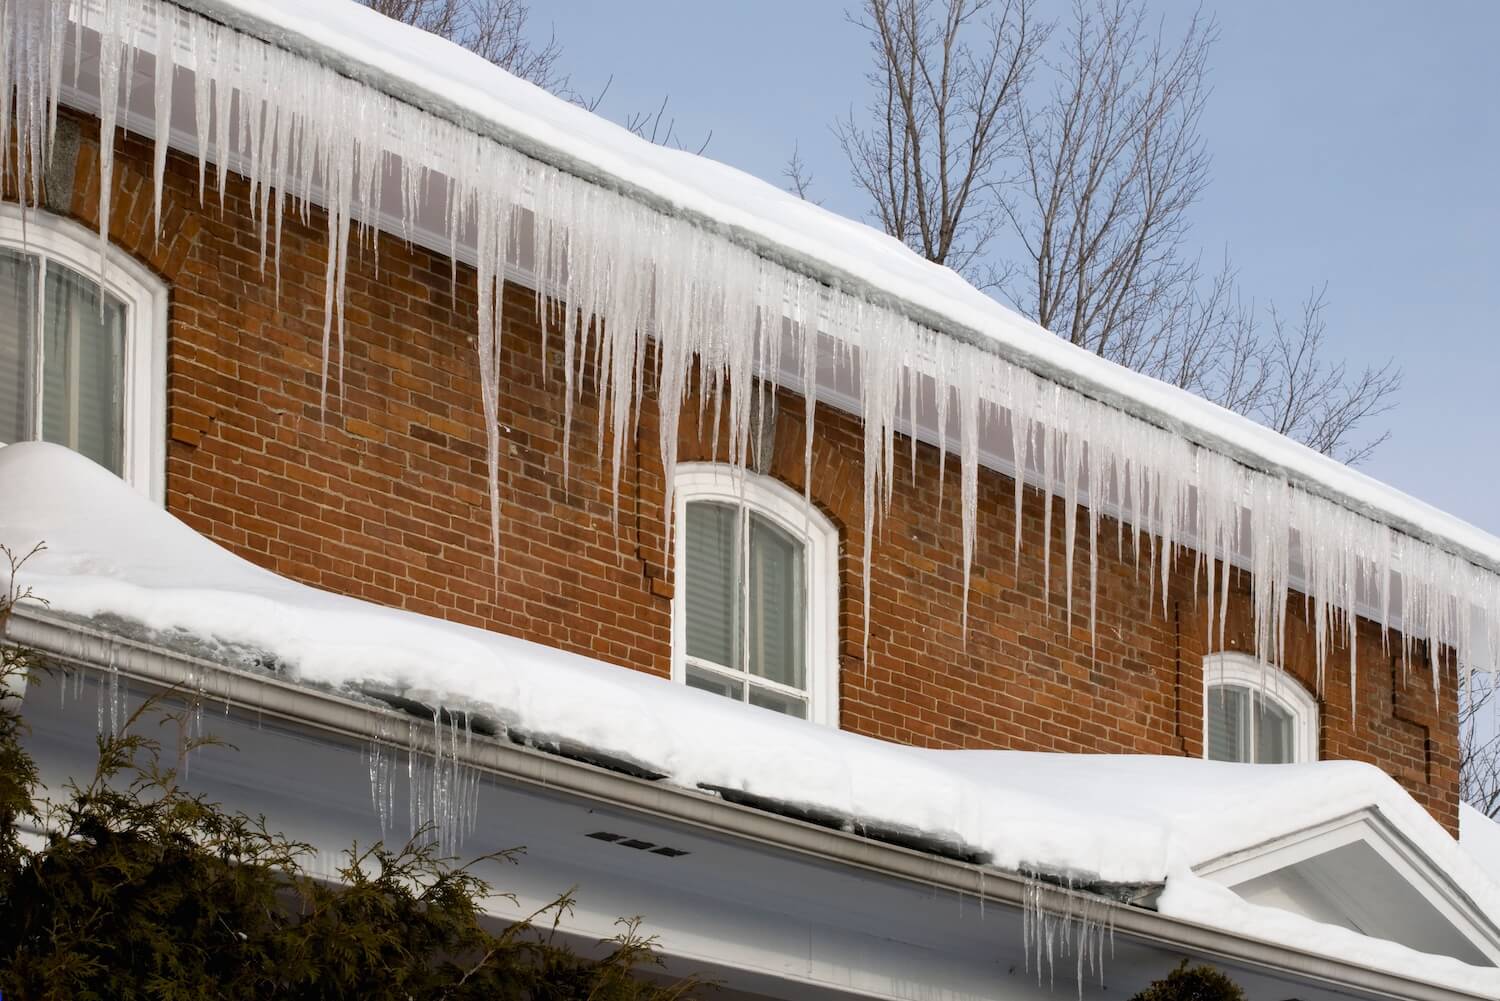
pixel 655 126
pixel 798 178
pixel 1316 401
pixel 1111 162
pixel 1089 177
pixel 1479 746
pixel 494 29
pixel 944 116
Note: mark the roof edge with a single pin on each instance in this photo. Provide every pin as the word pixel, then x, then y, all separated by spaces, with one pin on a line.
pixel 87 646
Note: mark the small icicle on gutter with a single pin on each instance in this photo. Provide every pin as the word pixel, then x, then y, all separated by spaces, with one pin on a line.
pixel 634 276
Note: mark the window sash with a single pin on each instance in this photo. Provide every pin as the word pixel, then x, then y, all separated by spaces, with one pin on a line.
pixel 745 604
pixel 741 687
pixel 63 350
pixel 1245 725
pixel 19 282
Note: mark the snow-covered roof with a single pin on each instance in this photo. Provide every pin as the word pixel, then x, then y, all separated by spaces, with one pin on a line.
pixel 1480 837
pixel 702 256
pixel 114 557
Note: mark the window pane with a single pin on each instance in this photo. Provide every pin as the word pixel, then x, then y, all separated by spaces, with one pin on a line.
pixel 777 604
pixel 712 681
pixel 1273 739
pixel 1227 739
pixel 17 321
pixel 767 699
pixel 83 367
pixel 713 631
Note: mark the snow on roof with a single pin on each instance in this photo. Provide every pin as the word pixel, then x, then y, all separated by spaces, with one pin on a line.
pixel 1480 837
pixel 113 555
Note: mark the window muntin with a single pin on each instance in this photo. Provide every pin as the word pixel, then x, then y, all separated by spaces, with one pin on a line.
pixel 756 593
pixel 1256 714
pixel 82 364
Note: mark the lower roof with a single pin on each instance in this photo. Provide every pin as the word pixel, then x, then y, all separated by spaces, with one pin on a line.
pixel 1108 823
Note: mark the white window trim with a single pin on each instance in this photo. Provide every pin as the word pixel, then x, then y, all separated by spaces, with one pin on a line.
pixel 705 481
pixel 1271 683
pixel 144 421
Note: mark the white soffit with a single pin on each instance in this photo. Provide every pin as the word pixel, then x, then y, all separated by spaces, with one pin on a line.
pixel 1360 872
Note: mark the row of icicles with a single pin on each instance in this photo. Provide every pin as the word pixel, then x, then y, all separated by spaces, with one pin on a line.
pixel 304 135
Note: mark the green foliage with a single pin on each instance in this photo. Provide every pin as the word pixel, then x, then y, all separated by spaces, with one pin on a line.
pixel 139 889
pixel 1197 983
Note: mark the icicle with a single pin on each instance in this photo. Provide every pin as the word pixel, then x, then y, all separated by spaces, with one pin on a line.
pixel 111 46
pixel 624 276
pixel 166 37
pixel 1082 928
pixel 969 403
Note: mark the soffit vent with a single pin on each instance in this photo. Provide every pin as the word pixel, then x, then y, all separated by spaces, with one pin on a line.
pixel 652 847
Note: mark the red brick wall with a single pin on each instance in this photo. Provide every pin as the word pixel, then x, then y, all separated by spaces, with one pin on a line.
pixel 383 497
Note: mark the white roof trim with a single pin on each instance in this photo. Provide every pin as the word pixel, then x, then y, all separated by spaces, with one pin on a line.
pixel 1370 827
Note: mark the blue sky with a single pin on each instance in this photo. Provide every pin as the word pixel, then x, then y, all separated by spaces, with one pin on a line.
pixel 1353 141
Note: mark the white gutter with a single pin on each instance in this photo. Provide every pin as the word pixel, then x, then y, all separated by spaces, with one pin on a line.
pixel 341 718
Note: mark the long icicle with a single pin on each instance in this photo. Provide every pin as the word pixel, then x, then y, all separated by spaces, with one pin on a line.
pixel 623 272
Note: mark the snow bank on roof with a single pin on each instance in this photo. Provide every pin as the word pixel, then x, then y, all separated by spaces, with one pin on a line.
pixel 1125 819
pixel 1480 837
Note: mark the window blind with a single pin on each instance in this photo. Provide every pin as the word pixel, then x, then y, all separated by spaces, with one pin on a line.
pixel 777 604
pixel 83 367
pixel 17 323
pixel 764 602
pixel 713 629
pixel 1273 738
pixel 1226 723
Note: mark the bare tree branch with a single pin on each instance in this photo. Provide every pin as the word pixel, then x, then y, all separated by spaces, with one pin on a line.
pixel 1316 401
pixel 1093 179
pixel 494 29
pixel 656 127
pixel 1479 745
pixel 798 178
pixel 945 115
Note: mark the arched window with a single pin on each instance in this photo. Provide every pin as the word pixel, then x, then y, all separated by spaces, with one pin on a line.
pixel 1256 713
pixel 81 364
pixel 755 608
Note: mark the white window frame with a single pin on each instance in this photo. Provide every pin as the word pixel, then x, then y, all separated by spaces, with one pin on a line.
pixel 144 394
pixel 1271 683
pixel 789 511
